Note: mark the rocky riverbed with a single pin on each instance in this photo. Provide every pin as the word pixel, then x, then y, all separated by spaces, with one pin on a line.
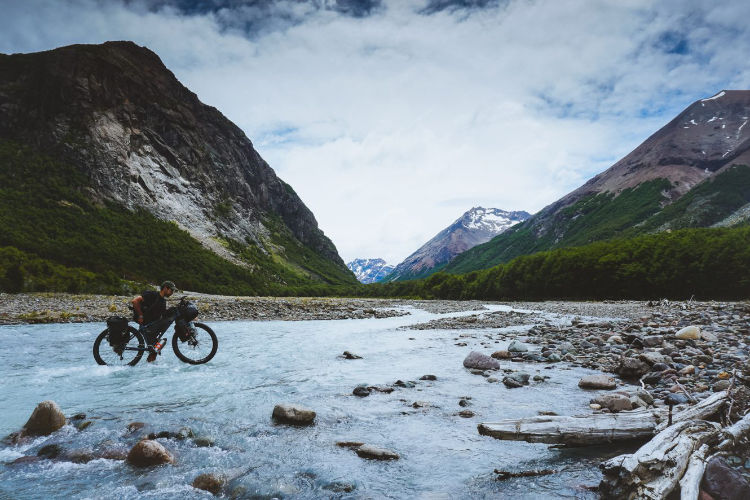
pixel 69 308
pixel 519 360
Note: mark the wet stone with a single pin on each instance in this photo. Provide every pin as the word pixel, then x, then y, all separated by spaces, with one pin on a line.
pixel 361 391
pixel 479 361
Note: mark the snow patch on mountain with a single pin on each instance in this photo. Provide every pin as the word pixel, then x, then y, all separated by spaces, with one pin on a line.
pixel 370 270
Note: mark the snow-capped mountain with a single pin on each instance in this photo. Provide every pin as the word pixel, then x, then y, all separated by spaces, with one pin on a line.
pixel 370 270
pixel 474 227
pixel 693 172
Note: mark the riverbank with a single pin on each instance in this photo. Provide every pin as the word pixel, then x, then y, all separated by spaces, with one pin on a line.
pixel 34 308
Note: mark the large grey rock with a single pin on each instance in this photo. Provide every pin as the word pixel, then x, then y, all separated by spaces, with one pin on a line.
pixel 516 346
pixel 652 358
pixel 691 332
pixel 45 419
pixel 480 361
pixel 147 453
pixel 723 482
pixel 209 482
pixel 597 382
pixel 376 453
pixel 516 380
pixel 293 414
pixel 613 401
pixel 632 368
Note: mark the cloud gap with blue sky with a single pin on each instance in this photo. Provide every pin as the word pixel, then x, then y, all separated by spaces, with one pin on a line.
pixel 390 118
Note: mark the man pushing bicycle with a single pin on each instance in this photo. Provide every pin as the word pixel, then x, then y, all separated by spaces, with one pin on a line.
pixel 151 306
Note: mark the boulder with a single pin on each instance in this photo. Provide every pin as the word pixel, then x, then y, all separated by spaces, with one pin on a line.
pixel 631 368
pixel 361 391
pixel 209 482
pixel 293 415
pixel 691 332
pixel 516 380
pixel 653 358
pixel 348 355
pixel 375 453
pixel 516 346
pixel 147 453
pixel 613 401
pixel 45 419
pixel 597 382
pixel 50 451
pixel 428 377
pixel 480 361
pixel 501 355
pixel 721 481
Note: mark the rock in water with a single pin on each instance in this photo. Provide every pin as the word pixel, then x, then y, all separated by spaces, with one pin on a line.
pixel 209 482
pixel 45 419
pixel 691 332
pixel 375 453
pixel 516 346
pixel 597 382
pixel 721 481
pixel 293 414
pixel 147 453
pixel 480 361
pixel 361 391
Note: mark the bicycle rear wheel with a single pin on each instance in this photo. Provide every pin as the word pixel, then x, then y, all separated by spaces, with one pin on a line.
pixel 126 354
pixel 199 347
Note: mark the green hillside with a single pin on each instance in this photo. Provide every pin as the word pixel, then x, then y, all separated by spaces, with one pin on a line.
pixel 48 219
pixel 599 217
pixel 701 263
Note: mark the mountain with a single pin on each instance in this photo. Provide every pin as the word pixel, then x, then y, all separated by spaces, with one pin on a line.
pixel 476 226
pixel 370 270
pixel 139 144
pixel 693 172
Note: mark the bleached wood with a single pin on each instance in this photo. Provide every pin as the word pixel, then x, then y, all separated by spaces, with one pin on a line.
pixel 654 470
pixel 690 484
pixel 734 432
pixel 700 411
pixel 577 430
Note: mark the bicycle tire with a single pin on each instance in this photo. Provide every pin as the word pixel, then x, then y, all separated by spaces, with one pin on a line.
pixel 104 352
pixel 186 351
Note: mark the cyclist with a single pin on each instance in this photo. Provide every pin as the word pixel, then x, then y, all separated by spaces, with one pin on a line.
pixel 150 306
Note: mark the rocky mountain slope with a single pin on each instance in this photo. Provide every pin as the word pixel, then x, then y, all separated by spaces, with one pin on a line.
pixel 691 173
pixel 474 227
pixel 370 270
pixel 138 139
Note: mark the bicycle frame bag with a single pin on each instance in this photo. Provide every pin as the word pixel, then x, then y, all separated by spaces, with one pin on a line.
pixel 181 329
pixel 118 330
pixel 155 329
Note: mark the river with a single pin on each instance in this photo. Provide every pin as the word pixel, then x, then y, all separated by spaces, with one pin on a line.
pixel 229 402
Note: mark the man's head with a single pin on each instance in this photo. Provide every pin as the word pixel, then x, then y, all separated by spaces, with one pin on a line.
pixel 168 288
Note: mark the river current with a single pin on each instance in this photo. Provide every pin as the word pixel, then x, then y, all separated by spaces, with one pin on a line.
pixel 228 403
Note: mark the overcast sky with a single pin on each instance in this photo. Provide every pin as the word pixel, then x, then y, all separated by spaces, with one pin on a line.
pixel 390 118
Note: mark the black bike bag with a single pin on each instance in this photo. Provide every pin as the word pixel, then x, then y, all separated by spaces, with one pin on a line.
pixel 118 330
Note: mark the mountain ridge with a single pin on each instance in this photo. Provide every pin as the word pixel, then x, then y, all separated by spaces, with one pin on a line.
pixel 474 227
pixel 707 141
pixel 142 140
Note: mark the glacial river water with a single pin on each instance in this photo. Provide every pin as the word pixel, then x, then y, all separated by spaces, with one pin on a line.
pixel 259 364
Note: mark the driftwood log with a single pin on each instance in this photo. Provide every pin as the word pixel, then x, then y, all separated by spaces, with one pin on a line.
pixel 676 457
pixel 655 469
pixel 583 430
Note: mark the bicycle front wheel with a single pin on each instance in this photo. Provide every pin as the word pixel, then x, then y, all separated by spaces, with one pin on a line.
pixel 126 354
pixel 199 347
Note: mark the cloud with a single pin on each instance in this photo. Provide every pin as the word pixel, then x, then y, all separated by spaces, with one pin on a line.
pixel 386 116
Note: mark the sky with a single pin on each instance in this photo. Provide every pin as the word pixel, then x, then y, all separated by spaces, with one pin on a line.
pixel 390 118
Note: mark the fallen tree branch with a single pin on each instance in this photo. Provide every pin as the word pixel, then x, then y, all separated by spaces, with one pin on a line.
pixel 690 484
pixel 583 430
pixel 502 475
pixel 577 430
pixel 654 470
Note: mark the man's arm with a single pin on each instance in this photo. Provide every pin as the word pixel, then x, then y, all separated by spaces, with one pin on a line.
pixel 137 307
